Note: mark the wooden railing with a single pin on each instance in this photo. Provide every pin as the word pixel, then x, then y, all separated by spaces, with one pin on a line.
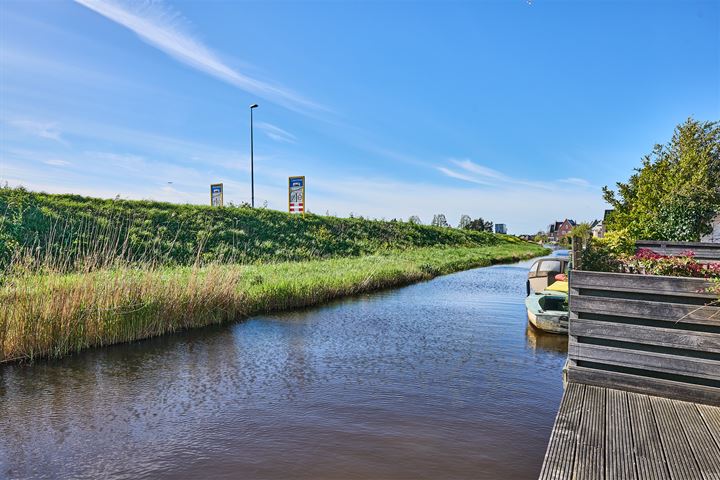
pixel 648 334
pixel 703 251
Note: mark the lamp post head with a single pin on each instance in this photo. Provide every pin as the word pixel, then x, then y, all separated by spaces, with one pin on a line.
pixel 254 105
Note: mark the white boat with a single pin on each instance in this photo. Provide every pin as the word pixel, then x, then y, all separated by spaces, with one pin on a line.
pixel 548 310
pixel 543 272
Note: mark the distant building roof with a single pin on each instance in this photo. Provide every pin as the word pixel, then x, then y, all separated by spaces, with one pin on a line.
pixel 554 227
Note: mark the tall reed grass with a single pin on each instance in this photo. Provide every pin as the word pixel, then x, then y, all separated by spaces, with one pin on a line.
pixel 77 272
pixel 50 313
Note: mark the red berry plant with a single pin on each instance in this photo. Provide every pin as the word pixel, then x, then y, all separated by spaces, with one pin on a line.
pixel 648 262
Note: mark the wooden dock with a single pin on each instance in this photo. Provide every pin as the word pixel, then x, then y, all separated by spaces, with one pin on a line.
pixel 602 433
pixel 642 398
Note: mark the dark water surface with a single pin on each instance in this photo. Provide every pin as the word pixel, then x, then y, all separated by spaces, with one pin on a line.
pixel 440 380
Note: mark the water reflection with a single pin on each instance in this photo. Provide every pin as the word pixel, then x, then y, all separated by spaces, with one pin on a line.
pixel 431 381
pixel 539 340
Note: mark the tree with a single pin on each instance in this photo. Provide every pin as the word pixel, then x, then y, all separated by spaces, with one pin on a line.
pixel 676 193
pixel 439 220
pixel 464 221
pixel 478 225
pixel 415 220
pixel 582 232
pixel 540 237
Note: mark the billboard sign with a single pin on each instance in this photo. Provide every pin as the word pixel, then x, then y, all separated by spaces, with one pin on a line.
pixel 216 195
pixel 296 194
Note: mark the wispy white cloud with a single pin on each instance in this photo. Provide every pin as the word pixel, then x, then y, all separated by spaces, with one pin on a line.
pixel 56 162
pixel 578 182
pixel 120 140
pixel 462 176
pixel 472 172
pixel 480 170
pixel 480 174
pixel 47 130
pixel 162 27
pixel 276 133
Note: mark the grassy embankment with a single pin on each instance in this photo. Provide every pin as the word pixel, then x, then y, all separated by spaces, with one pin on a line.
pixel 82 272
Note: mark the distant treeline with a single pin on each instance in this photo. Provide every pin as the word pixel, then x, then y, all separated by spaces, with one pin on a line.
pixel 71 232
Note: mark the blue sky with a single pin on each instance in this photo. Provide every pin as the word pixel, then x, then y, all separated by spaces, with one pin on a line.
pixel 514 111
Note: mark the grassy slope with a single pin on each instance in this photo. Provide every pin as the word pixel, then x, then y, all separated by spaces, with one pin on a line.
pixel 55 314
pixel 71 230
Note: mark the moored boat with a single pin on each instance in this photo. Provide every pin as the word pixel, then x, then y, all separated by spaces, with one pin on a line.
pixel 544 270
pixel 548 310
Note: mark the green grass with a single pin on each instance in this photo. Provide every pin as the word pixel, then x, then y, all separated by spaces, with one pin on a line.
pixel 70 232
pixel 53 314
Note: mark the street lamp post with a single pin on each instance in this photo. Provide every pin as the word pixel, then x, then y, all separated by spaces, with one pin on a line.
pixel 252 171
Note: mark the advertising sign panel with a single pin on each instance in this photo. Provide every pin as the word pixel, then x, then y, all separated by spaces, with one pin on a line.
pixel 216 195
pixel 296 195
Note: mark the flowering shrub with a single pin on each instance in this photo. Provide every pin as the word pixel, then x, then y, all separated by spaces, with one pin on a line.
pixel 684 265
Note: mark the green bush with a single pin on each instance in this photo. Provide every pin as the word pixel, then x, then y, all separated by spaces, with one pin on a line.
pixel 600 256
pixel 618 242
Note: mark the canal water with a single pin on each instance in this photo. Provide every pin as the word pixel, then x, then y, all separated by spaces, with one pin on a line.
pixel 439 380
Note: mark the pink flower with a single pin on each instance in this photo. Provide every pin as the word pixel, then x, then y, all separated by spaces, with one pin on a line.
pixel 647 254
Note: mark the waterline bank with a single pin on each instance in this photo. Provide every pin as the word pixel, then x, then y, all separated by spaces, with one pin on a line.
pixel 52 315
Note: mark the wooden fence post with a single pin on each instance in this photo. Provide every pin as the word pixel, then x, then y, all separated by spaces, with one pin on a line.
pixel 576 246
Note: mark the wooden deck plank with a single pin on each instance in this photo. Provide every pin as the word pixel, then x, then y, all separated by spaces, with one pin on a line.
pixel 560 455
pixel 590 451
pixel 619 457
pixel 711 415
pixel 649 456
pixel 702 443
pixel 680 459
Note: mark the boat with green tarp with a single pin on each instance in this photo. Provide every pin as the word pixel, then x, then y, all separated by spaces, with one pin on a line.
pixel 548 310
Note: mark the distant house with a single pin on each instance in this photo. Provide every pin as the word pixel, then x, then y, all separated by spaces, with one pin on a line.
pixel 559 230
pixel 501 228
pixel 565 227
pixel 597 227
pixel 551 232
pixel 714 236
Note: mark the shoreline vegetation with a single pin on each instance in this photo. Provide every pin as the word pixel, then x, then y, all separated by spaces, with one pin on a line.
pixel 78 272
pixel 52 315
